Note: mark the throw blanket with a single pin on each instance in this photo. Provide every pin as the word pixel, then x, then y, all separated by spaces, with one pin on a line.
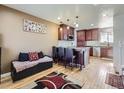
pixel 20 66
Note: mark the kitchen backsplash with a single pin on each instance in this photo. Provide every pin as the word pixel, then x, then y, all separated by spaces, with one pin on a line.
pixel 92 43
pixel 66 43
pixel 97 43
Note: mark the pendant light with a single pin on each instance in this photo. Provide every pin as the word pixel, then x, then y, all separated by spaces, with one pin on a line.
pixel 76 23
pixel 68 27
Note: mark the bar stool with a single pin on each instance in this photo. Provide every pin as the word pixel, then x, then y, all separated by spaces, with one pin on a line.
pixel 69 58
pixel 61 55
pixel 55 54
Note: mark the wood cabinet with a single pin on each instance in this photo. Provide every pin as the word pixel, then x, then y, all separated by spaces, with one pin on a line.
pixel 88 35
pixel 81 35
pixel 64 33
pixel 81 38
pixel 92 34
pixel 106 52
pixel 95 34
pixel 91 51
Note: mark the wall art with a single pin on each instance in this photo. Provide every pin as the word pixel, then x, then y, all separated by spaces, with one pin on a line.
pixel 31 26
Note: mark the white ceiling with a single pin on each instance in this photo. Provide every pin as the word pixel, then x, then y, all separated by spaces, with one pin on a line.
pixel 88 13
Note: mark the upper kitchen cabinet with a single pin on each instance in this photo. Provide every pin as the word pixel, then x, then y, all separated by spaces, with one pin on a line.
pixel 88 35
pixel 95 34
pixel 65 32
pixel 92 34
pixel 81 38
pixel 81 35
pixel 60 34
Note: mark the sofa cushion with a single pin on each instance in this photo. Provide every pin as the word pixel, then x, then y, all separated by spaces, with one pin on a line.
pixel 23 57
pixel 33 56
pixel 40 54
pixel 45 59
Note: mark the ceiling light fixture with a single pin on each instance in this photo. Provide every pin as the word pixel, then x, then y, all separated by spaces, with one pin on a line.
pixel 68 25
pixel 76 23
pixel 58 18
pixel 104 15
pixel 60 29
pixel 92 24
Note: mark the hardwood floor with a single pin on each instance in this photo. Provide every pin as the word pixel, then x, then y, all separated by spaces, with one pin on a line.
pixel 91 77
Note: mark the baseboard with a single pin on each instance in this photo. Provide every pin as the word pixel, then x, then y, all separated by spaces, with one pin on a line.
pixel 5 74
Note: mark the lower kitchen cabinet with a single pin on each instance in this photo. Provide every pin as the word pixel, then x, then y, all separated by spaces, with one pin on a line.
pixel 106 52
pixel 91 51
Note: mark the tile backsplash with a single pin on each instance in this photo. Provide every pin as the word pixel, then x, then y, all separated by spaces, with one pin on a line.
pixel 63 43
pixel 92 43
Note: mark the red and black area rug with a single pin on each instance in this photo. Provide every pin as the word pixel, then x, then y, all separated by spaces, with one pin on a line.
pixel 55 80
pixel 115 80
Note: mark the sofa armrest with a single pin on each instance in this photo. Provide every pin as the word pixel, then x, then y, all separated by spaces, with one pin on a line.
pixel 12 67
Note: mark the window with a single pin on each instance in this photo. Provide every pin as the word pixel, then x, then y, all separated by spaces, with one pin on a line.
pixel 106 35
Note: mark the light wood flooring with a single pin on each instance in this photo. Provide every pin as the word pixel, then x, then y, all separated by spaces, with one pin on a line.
pixel 91 77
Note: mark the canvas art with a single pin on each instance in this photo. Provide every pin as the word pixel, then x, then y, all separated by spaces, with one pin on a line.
pixel 31 26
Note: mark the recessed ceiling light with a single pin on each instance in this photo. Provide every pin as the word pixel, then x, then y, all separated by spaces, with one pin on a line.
pixel 77 25
pixel 104 15
pixel 92 24
pixel 68 27
pixel 74 23
pixel 60 29
pixel 58 18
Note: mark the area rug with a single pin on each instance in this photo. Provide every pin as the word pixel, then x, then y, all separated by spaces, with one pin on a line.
pixel 54 80
pixel 114 80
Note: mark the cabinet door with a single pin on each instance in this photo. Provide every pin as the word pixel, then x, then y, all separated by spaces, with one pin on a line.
pixel 60 34
pixel 81 36
pixel 91 51
pixel 88 35
pixel 95 34
pixel 107 52
pixel 78 36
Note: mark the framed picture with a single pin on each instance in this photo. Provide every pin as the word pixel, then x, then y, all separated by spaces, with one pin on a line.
pixel 31 26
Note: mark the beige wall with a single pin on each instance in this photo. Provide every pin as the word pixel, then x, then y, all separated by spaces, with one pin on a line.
pixel 13 39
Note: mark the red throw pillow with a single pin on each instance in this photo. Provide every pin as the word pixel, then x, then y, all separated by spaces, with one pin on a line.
pixel 33 56
pixel 53 82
